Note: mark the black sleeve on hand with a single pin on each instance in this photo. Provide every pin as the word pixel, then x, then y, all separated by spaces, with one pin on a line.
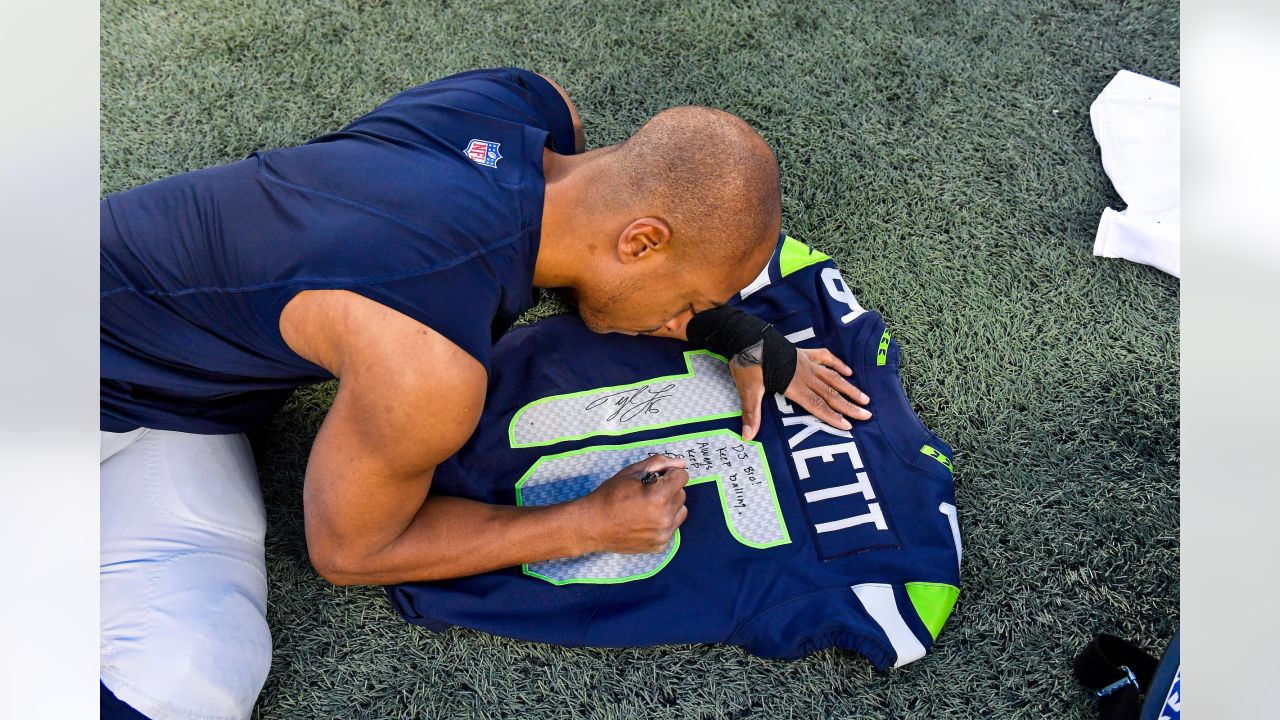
pixel 779 361
pixel 729 331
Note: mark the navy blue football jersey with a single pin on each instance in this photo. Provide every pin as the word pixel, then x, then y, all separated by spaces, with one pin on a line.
pixel 805 538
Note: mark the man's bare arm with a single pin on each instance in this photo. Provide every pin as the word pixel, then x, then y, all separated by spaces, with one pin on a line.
pixel 408 399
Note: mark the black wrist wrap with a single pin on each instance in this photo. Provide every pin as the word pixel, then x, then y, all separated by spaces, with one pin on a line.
pixel 728 331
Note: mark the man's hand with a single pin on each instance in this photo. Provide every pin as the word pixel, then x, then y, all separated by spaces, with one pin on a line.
pixel 626 516
pixel 818 386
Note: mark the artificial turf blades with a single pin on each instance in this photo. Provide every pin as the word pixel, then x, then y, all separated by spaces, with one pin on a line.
pixel 940 152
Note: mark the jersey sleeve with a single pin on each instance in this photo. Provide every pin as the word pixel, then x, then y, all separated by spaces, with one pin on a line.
pixel 459 302
pixel 507 95
pixel 472 302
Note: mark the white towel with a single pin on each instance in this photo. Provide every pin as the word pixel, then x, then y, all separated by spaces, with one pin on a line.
pixel 1135 120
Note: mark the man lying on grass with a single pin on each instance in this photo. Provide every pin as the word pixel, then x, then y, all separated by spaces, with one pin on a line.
pixel 390 255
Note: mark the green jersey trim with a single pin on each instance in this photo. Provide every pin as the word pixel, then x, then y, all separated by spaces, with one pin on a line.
pixel 933 603
pixel 795 255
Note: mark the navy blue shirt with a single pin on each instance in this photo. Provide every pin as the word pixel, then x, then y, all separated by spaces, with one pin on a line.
pixel 430 205
pixel 807 537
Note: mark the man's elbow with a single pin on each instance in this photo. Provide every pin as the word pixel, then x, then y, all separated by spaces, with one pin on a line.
pixel 348 567
pixel 340 568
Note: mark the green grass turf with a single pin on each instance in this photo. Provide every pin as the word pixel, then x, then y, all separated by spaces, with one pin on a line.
pixel 940 151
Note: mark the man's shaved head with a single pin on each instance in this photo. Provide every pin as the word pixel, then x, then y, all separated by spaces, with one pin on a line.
pixel 676 219
pixel 708 174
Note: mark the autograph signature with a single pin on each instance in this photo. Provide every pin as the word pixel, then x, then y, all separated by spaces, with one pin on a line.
pixel 629 404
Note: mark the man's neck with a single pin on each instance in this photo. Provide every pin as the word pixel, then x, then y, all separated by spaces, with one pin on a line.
pixel 566 228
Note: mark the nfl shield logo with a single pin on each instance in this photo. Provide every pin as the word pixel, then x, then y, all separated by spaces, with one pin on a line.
pixel 484 152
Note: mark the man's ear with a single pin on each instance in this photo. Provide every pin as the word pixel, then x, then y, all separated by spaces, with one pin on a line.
pixel 644 238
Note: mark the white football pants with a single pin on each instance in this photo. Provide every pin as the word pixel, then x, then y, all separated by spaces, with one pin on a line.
pixel 183 575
